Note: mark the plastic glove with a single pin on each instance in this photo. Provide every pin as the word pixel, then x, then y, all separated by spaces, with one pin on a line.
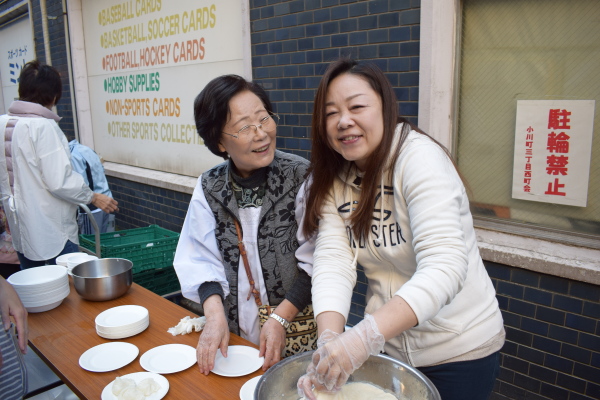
pixel 339 356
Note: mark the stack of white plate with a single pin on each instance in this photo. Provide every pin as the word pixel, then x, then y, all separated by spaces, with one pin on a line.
pixel 122 321
pixel 41 288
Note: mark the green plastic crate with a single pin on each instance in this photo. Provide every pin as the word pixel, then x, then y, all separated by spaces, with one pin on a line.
pixel 160 281
pixel 147 248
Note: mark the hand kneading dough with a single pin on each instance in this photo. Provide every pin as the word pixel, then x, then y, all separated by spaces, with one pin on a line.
pixel 131 393
pixel 357 391
pixel 121 384
pixel 148 386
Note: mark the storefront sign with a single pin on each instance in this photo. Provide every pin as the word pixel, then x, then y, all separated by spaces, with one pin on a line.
pixel 146 63
pixel 553 144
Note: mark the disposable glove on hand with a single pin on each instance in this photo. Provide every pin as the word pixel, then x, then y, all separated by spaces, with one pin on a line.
pixel 339 356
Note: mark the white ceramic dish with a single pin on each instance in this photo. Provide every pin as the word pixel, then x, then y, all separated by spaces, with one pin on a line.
pixel 169 358
pixel 107 393
pixel 247 391
pixel 108 356
pixel 240 361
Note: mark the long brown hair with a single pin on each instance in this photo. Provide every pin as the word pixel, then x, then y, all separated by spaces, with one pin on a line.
pixel 326 163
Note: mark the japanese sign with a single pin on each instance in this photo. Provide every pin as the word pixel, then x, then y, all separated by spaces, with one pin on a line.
pixel 553 142
pixel 16 49
pixel 146 63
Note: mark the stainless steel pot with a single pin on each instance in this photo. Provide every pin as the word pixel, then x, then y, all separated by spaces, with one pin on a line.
pixel 103 279
pixel 396 377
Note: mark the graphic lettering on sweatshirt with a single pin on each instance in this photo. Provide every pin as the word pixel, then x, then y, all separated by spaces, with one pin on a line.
pixel 382 234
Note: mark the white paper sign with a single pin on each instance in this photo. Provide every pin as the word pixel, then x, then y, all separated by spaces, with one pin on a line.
pixel 147 61
pixel 553 144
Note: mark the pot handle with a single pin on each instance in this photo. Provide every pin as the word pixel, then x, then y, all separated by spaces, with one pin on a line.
pixel 95 225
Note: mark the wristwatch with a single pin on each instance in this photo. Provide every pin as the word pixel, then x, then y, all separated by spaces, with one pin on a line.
pixel 284 322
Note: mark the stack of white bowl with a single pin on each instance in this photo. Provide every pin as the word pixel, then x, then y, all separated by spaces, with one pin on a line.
pixel 71 260
pixel 122 321
pixel 41 288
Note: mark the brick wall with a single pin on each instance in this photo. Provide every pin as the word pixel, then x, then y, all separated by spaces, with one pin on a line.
pixel 552 348
pixel 294 41
pixel 142 205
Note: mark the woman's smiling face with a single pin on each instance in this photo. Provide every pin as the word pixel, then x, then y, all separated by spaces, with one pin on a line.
pixel 256 149
pixel 354 118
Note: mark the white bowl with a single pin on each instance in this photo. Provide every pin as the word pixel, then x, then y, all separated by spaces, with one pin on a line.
pixel 39 276
pixel 77 259
pixel 62 259
pixel 45 307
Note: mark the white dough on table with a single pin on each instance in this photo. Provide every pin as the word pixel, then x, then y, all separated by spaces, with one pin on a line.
pixel 120 384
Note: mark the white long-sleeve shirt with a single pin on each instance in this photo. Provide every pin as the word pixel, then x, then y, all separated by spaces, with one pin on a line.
pixel 426 253
pixel 42 210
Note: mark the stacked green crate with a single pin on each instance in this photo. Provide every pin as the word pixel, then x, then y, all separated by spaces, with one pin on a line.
pixel 151 250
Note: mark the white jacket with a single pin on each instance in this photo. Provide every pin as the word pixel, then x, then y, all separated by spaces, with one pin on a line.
pixel 42 210
pixel 427 254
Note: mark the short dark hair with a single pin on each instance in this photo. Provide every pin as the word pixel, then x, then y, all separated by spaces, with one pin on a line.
pixel 211 107
pixel 40 83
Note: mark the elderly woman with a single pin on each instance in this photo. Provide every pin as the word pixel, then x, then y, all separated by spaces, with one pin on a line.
pixel 256 194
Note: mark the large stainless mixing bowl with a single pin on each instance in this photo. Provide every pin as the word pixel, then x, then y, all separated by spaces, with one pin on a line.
pixel 103 279
pixel 394 376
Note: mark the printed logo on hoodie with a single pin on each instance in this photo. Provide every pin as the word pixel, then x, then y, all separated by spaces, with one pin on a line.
pixel 382 234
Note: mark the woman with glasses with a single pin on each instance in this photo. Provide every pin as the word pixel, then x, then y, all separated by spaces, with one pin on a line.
pixel 256 194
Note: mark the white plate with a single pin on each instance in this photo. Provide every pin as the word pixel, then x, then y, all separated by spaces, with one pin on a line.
pixel 121 334
pixel 107 393
pixel 240 361
pixel 108 356
pixel 168 358
pixel 121 316
pixel 247 391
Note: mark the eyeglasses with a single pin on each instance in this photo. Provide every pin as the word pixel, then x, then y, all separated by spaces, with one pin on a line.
pixel 267 124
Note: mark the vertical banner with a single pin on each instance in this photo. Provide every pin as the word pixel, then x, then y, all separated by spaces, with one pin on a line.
pixel 147 61
pixel 16 49
pixel 553 144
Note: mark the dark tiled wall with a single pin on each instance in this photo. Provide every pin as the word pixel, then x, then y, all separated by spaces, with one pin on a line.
pixel 552 348
pixel 552 327
pixel 142 205
pixel 294 41
pixel 58 57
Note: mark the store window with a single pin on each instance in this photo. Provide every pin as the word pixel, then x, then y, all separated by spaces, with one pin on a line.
pixel 524 50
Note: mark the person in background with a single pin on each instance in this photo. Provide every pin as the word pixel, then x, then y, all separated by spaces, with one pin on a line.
pixel 386 195
pixel 40 191
pixel 88 164
pixel 13 344
pixel 259 188
pixel 9 261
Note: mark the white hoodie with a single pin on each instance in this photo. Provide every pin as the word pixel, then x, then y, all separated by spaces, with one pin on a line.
pixel 422 247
